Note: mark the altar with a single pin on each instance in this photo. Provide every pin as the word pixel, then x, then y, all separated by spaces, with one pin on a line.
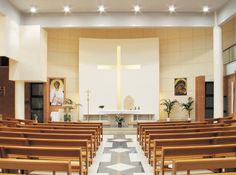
pixel 108 116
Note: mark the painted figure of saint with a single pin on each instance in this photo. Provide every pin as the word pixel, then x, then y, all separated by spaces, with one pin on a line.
pixel 56 92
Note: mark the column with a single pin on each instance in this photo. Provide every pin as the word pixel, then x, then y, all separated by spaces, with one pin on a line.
pixel 19 99
pixel 218 71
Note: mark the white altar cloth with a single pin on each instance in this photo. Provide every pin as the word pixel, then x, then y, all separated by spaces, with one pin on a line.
pixel 121 112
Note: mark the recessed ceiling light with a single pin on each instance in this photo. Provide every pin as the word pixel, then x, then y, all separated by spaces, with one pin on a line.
pixel 66 9
pixel 101 8
pixel 33 9
pixel 137 8
pixel 171 8
pixel 205 9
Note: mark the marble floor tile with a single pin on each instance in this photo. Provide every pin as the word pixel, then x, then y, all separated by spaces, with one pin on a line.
pixel 119 150
pixel 106 157
pixel 133 137
pixel 131 144
pixel 108 144
pixel 119 140
pixel 120 167
pixel 134 157
pixel 106 137
pixel 98 173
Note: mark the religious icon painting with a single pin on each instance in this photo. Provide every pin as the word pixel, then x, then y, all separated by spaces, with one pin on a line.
pixel 180 86
pixel 56 88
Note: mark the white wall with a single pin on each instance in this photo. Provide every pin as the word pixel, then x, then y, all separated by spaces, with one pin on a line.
pixel 230 68
pixel 9 38
pixel 31 65
pixel 142 84
pixel 151 19
pixel 7 9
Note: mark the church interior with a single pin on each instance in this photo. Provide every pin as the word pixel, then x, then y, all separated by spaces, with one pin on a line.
pixel 118 87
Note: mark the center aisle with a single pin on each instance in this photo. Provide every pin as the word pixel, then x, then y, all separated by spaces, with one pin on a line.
pixel 120 155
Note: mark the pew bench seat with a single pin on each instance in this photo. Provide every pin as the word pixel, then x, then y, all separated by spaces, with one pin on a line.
pixel 207 163
pixel 35 165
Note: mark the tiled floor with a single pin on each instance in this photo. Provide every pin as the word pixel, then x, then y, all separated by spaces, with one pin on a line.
pixel 120 155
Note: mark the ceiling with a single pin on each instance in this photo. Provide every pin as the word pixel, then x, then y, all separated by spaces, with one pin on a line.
pixel 56 6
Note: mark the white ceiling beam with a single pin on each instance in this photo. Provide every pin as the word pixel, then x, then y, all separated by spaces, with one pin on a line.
pixel 95 20
pixel 9 10
pixel 227 12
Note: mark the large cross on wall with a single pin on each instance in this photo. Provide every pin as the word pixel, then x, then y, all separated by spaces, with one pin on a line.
pixel 105 69
pixel 118 68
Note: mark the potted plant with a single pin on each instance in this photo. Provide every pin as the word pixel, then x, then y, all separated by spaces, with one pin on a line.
pixel 67 117
pixel 169 105
pixel 35 116
pixel 68 106
pixel 188 107
pixel 119 121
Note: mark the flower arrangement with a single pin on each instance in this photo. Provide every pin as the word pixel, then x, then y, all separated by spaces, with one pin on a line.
pixel 119 121
pixel 68 105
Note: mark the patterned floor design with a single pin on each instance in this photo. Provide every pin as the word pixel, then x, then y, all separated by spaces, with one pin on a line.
pixel 120 155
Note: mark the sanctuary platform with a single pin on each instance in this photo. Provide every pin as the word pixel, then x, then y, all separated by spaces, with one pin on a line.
pixel 107 117
pixel 124 130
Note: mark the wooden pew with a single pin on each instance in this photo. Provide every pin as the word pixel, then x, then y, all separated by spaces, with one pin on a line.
pixel 22 121
pixel 95 128
pixel 175 153
pixel 35 165
pixel 83 144
pixel 9 174
pixel 143 129
pixel 142 124
pixel 56 131
pixel 47 153
pixel 220 174
pixel 218 120
pixel 145 136
pixel 9 123
pixel 152 137
pixel 207 163
pixel 52 136
pixel 82 123
pixel 159 143
pixel 184 130
pixel 233 121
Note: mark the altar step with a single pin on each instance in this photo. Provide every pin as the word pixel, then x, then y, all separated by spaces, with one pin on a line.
pixel 125 130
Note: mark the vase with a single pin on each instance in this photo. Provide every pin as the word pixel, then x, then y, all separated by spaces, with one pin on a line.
pixel 119 124
pixel 167 119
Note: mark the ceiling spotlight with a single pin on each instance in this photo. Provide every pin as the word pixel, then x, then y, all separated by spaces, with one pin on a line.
pixel 66 9
pixel 205 9
pixel 33 9
pixel 137 8
pixel 172 8
pixel 101 8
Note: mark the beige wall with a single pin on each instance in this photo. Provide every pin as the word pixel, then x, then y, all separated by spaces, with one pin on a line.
pixel 32 63
pixel 184 52
pixel 9 38
pixel 229 33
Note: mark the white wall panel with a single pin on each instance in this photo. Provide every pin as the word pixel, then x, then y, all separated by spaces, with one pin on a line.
pixel 142 84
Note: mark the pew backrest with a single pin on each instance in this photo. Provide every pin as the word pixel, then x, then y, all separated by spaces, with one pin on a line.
pixel 35 165
pixel 206 163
